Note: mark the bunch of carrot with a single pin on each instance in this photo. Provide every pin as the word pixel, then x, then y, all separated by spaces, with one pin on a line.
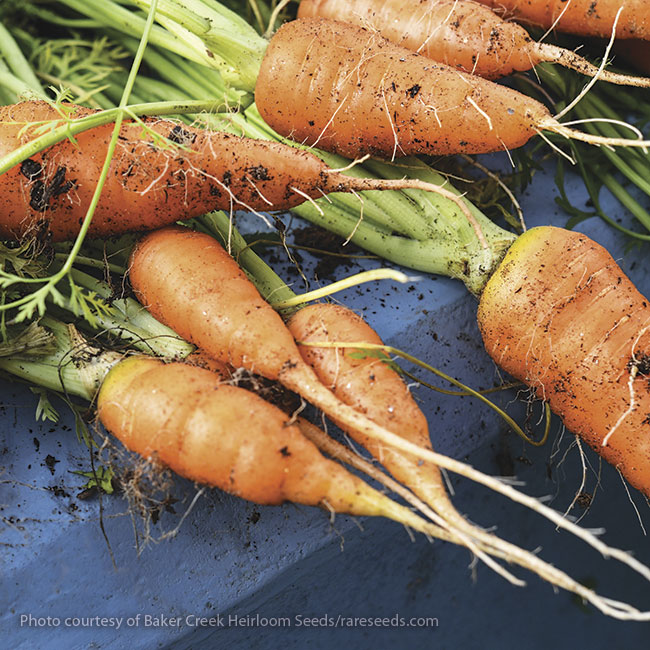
pixel 190 420
pixel 343 122
pixel 524 314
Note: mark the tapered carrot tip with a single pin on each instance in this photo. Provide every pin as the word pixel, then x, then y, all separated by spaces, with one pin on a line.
pixel 560 315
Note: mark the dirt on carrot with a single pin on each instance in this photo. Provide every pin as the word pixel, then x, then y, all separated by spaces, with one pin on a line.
pixel 460 33
pixel 560 315
pixel 368 96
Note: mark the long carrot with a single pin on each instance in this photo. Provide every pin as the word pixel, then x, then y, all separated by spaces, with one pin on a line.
pixel 162 172
pixel 370 96
pixel 586 17
pixel 460 33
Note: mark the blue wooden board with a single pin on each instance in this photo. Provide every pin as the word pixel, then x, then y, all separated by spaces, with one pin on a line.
pixel 236 575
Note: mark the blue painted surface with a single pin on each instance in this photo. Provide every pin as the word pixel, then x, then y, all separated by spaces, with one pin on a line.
pixel 247 570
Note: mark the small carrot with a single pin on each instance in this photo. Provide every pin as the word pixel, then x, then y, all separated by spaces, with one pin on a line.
pixel 370 96
pixel 163 172
pixel 461 33
pixel 559 314
pixel 371 386
pixel 225 436
pixel 585 17
pixel 190 283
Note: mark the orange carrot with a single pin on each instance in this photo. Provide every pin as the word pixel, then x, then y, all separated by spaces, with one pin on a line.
pixel 350 90
pixel 149 184
pixel 560 315
pixel 367 384
pixel 586 17
pixel 190 283
pixel 227 437
pixel 371 386
pixel 461 33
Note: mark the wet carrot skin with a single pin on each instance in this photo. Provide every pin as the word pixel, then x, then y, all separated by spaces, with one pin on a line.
pixel 560 315
pixel 370 386
pixel 367 95
pixel 586 17
pixel 187 280
pixel 149 184
pixel 360 379
pixel 220 435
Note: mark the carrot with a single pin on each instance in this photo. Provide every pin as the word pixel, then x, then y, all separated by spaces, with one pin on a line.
pixel 370 96
pixel 368 384
pixel 373 387
pixel 460 33
pixel 227 437
pixel 560 315
pixel 163 172
pixel 585 17
pixel 190 283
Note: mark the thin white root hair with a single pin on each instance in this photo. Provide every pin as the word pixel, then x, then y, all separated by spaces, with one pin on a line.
pixel 174 531
pixel 481 112
pixel 630 408
pixel 308 198
pixel 349 417
pixel 442 529
pixel 583 479
pixel 629 496
pixel 348 239
pixel 572 60
pixel 594 79
pixel 556 148
pixel 556 21
pixel 481 543
pixel 353 163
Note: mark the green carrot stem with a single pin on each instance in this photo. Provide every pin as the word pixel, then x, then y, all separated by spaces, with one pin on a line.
pixel 17 62
pixel 74 368
pixel 111 14
pixel 128 319
pixel 226 34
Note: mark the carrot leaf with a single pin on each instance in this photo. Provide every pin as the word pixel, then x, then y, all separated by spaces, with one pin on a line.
pixel 44 408
pixel 101 478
